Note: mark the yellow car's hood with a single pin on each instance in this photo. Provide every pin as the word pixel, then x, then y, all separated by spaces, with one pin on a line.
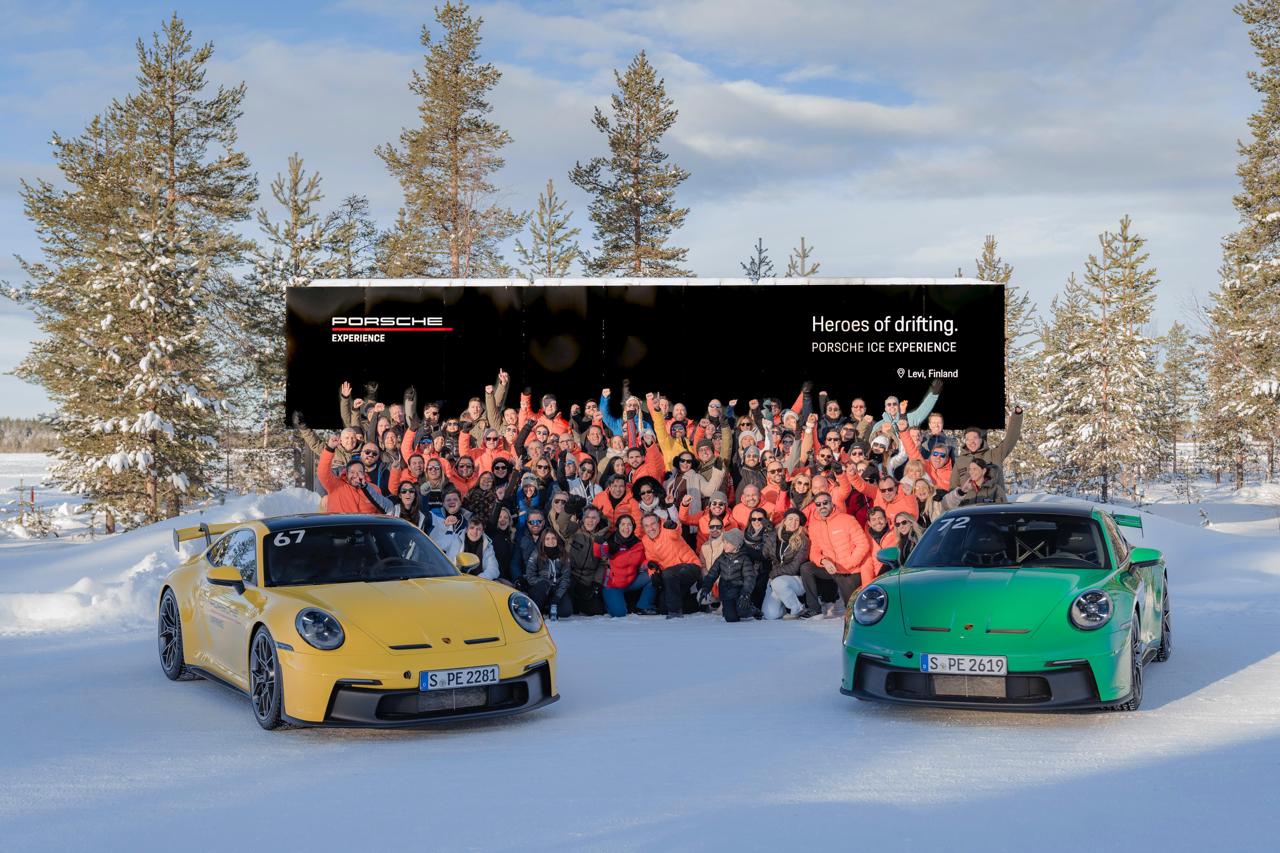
pixel 445 612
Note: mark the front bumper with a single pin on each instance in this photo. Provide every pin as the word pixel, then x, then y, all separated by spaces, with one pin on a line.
pixel 356 706
pixel 1066 688
pixel 381 688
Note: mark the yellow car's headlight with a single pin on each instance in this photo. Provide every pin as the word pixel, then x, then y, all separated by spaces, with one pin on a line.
pixel 320 629
pixel 525 612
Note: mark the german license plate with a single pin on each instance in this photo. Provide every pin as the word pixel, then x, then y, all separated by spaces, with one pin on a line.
pixel 444 679
pixel 964 664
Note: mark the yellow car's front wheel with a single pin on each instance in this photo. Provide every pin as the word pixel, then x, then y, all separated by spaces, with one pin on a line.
pixel 266 690
pixel 169 637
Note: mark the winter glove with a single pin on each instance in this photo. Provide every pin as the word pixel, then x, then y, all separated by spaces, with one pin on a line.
pixel 935 387
pixel 807 388
pixel 596 589
pixel 370 391
pixel 298 421
pixel 745 607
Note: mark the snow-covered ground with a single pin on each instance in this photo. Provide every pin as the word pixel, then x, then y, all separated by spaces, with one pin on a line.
pixel 688 734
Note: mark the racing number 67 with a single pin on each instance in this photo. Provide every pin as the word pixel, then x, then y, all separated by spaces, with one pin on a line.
pixel 282 538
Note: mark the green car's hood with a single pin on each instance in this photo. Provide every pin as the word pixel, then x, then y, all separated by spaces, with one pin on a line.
pixel 1000 600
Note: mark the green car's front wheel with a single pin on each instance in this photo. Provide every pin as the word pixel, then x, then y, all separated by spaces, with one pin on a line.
pixel 1135 671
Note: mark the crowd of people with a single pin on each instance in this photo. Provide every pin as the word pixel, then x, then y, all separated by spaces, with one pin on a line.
pixel 625 504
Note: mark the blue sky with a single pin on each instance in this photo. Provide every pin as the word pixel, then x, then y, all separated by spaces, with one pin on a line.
pixel 892 136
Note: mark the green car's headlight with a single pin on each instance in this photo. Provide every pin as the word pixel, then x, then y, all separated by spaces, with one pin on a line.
pixel 525 612
pixel 1091 609
pixel 870 605
pixel 319 629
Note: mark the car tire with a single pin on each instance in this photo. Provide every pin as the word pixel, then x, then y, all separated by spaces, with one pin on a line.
pixel 1166 628
pixel 1135 671
pixel 169 639
pixel 266 686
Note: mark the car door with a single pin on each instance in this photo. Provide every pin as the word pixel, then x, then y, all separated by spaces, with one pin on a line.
pixel 231 611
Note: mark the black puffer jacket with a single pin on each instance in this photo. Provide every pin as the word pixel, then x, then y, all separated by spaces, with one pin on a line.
pixel 790 554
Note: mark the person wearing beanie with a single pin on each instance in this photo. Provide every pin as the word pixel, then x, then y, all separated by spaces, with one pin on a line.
pixel 671 441
pixel 736 572
pixel 791 555
pixel 717 510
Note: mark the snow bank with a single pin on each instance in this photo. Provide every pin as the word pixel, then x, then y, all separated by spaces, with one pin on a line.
pixel 111 584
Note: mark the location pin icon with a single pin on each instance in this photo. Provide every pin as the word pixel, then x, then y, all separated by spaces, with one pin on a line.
pixel 901 372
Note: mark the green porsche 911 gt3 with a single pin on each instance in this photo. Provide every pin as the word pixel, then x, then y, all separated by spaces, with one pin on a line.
pixel 1016 607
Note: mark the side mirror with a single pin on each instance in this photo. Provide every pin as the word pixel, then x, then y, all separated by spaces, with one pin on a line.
pixel 1144 556
pixel 888 556
pixel 466 561
pixel 226 576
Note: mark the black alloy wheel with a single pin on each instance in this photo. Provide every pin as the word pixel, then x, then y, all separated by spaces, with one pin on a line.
pixel 1135 671
pixel 264 679
pixel 169 637
pixel 1166 628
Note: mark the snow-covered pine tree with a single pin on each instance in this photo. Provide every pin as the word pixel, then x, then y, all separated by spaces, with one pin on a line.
pixel 552 248
pixel 1070 344
pixel 137 255
pixel 445 165
pixel 759 265
pixel 1023 366
pixel 355 239
pixel 297 249
pixel 1244 318
pixel 633 190
pixel 1181 377
pixel 799 262
pixel 1106 394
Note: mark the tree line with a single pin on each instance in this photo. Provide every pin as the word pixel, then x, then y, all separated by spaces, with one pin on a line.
pixel 163 322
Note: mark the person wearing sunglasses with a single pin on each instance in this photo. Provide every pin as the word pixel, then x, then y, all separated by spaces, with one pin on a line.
pixel 748 469
pixel 462 473
pixel 759 543
pixel 650 498
pixel 526 543
pixel 885 494
pixel 408 505
pixel 903 535
pixel 790 555
pixel 839 551
pixel 716 510
pixel 895 408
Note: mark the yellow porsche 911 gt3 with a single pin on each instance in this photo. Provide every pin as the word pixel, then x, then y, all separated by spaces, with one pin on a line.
pixel 350 620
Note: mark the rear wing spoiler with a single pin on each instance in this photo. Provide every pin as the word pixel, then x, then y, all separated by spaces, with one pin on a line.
pixel 1129 521
pixel 208 531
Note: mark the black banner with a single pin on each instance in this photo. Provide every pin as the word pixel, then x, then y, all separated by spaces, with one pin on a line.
pixel 688 342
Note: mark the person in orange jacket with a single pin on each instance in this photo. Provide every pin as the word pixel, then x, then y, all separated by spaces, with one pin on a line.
pixel 463 474
pixel 886 494
pixel 645 461
pixel 411 473
pixel 348 492
pixel 749 500
pixel 717 507
pixel 672 563
pixel 484 456
pixel 839 551
pixel 616 500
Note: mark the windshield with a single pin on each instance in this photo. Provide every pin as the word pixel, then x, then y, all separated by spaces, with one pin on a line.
pixel 1011 540
pixel 346 553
